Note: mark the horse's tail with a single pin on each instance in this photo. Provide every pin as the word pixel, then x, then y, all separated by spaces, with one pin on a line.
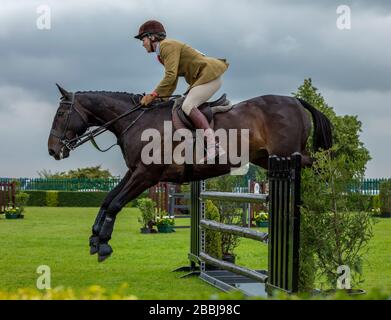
pixel 322 138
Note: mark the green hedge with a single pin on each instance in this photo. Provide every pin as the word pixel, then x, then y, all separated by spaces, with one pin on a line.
pixel 70 199
pixel 37 198
pixel 52 198
pixel 80 199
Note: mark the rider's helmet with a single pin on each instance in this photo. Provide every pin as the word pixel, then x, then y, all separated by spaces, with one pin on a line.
pixel 149 28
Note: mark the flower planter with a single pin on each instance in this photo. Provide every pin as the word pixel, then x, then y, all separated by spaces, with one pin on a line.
pixel 14 216
pixel 164 228
pixel 262 224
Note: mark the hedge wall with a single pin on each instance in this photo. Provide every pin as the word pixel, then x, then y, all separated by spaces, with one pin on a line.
pixel 37 198
pixel 70 199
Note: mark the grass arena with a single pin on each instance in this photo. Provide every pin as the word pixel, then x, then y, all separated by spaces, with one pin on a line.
pixel 50 236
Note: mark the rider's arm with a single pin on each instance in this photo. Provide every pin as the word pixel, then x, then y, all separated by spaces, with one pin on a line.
pixel 170 55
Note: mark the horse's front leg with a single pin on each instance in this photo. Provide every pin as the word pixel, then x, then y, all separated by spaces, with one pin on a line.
pixel 94 238
pixel 134 187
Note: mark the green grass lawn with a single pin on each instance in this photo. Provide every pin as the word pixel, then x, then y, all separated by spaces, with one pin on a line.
pixel 58 237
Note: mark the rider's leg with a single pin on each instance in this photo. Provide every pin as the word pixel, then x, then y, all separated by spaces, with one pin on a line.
pixel 197 96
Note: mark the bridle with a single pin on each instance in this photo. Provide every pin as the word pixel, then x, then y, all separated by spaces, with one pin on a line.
pixel 73 143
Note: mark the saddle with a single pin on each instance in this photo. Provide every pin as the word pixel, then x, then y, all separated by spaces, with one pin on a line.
pixel 181 120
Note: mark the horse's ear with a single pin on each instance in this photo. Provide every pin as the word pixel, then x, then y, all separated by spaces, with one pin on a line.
pixel 64 93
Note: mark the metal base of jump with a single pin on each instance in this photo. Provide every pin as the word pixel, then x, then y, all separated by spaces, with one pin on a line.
pixel 282 239
pixel 227 281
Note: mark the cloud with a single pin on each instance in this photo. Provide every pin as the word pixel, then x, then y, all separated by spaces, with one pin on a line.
pixel 271 48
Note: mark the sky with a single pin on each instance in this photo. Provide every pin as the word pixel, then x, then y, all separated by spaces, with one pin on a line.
pixel 272 46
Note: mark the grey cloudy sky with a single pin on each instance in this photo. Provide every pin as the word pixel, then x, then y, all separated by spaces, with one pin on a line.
pixel 272 46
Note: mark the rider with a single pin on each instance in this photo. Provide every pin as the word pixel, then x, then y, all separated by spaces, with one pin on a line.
pixel 202 73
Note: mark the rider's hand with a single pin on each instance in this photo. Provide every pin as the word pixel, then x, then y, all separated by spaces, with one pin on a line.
pixel 147 99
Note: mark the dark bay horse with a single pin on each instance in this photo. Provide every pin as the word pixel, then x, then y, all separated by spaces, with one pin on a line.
pixel 278 125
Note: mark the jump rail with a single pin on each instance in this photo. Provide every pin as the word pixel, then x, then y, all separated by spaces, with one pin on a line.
pixel 236 230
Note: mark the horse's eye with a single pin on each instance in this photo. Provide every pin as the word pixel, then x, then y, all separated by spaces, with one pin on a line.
pixel 60 113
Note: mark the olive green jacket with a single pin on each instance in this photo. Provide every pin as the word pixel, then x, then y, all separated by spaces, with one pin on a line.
pixel 181 60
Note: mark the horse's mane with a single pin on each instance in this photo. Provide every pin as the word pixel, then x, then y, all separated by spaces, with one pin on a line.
pixel 123 96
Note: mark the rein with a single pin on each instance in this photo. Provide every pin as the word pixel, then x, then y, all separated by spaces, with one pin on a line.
pixel 91 134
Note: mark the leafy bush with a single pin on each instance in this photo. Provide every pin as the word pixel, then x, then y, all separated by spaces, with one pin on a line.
pixel 213 238
pixel 147 207
pixel 334 236
pixel 21 199
pixel 330 233
pixel 358 202
pixel 230 214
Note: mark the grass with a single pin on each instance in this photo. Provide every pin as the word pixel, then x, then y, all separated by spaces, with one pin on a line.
pixel 58 237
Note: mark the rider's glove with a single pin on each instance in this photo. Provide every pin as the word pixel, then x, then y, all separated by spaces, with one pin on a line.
pixel 147 99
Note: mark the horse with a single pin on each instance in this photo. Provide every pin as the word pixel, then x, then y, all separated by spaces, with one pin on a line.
pixel 277 125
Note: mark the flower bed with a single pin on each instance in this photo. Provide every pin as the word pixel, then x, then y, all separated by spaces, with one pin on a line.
pixel 261 219
pixel 13 213
pixel 165 224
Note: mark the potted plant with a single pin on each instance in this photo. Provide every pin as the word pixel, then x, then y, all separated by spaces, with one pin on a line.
pixel 147 218
pixel 213 244
pixel 230 214
pixel 261 219
pixel 13 213
pixel 15 210
pixel 165 223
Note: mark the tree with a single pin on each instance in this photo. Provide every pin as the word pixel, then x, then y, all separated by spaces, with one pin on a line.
pixel 346 129
pixel 331 234
pixel 79 173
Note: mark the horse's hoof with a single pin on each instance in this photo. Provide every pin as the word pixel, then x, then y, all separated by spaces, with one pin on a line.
pixel 94 249
pixel 103 258
pixel 104 252
pixel 94 244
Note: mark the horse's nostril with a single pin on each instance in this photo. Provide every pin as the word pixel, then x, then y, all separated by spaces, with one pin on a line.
pixel 51 152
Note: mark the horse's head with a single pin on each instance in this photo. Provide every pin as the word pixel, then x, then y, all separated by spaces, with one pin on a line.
pixel 68 123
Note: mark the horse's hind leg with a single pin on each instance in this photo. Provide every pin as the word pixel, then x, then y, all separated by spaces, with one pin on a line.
pixel 94 238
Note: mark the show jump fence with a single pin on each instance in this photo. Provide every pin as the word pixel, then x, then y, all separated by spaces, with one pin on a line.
pixel 282 238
